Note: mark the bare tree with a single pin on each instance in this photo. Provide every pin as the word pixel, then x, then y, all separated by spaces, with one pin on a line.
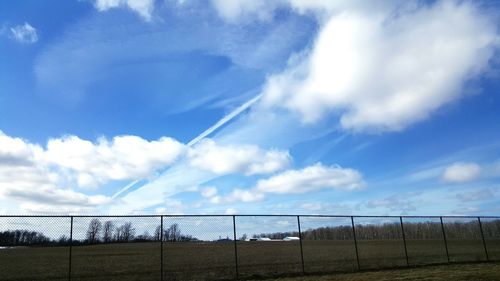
pixel 157 235
pixel 108 231
pixel 125 232
pixel 118 233
pixel 93 231
pixel 173 233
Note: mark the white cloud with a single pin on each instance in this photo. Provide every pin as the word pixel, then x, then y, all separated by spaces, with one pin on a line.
pixel 245 195
pixel 24 177
pixel 238 10
pixel 143 7
pixel 170 207
pixel 24 33
pixel 312 178
pixel 461 172
pixel 123 158
pixel 42 178
pixel 383 72
pixel 227 159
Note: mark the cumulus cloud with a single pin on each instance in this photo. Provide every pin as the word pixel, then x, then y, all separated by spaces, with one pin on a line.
pixel 383 72
pixel 461 172
pixel 245 195
pixel 143 7
pixel 312 178
pixel 24 33
pixel 25 177
pixel 42 177
pixel 122 158
pixel 227 159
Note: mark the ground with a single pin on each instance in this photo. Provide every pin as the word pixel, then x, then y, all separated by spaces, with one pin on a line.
pixel 457 272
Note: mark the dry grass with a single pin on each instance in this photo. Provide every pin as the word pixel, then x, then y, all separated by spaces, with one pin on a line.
pixel 454 272
pixel 215 261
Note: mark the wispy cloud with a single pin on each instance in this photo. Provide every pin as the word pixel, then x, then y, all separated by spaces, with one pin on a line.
pixel 142 7
pixel 25 33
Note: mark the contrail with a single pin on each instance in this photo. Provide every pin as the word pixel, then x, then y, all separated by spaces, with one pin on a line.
pixel 124 189
pixel 224 120
pixel 205 133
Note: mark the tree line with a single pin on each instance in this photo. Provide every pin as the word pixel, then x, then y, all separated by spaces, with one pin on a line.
pixel 109 233
pixel 23 238
pixel 390 231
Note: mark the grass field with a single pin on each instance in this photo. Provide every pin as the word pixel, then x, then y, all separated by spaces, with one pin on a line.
pixel 455 272
pixel 213 261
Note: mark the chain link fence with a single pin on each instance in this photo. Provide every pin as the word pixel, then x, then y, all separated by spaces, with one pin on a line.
pixel 227 247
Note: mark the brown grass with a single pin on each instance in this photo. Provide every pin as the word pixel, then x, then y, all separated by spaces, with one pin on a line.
pixel 214 261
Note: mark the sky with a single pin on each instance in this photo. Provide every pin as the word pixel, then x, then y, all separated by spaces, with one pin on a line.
pixel 250 107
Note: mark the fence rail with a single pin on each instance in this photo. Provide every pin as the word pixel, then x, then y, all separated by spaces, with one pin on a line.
pixel 209 247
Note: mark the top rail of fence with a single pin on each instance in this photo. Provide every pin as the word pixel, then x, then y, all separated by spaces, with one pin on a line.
pixel 247 215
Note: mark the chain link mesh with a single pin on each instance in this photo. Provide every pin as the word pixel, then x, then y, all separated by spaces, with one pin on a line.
pixel 328 244
pixel 380 242
pixel 263 249
pixel 424 241
pixel 464 239
pixel 34 248
pixel 204 247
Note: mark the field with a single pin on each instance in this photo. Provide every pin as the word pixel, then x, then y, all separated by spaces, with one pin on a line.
pixel 455 272
pixel 215 261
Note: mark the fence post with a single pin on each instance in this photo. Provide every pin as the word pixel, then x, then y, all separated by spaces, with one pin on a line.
pixel 301 250
pixel 444 238
pixel 161 247
pixel 355 241
pixel 70 247
pixel 404 240
pixel 484 241
pixel 235 248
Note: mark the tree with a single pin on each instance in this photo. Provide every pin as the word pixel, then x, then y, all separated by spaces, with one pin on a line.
pixel 173 233
pixel 108 231
pixel 128 231
pixel 125 232
pixel 93 231
pixel 157 235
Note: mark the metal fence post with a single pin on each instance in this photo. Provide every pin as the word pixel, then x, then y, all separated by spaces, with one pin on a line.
pixel 301 250
pixel 161 247
pixel 444 238
pixel 355 241
pixel 70 247
pixel 404 240
pixel 484 241
pixel 235 248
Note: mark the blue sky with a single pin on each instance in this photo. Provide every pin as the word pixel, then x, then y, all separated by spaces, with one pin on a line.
pixel 250 107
